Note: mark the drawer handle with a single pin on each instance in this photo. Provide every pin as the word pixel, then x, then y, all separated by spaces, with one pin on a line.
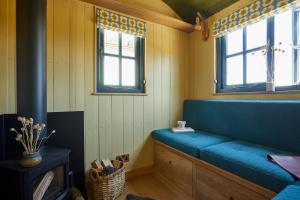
pixel 170 162
pixel 231 198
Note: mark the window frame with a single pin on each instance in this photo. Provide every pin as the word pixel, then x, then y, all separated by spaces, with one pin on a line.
pixel 139 66
pixel 221 52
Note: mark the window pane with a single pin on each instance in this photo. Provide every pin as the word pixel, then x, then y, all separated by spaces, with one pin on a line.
pixel 297 76
pixel 298 50
pixel 235 42
pixel 256 67
pixel 283 40
pixel 284 73
pixel 128 45
pixel 111 70
pixel 111 42
pixel 257 35
pixel 234 69
pixel 128 72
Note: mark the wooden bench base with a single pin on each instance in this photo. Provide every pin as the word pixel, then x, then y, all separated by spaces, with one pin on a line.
pixel 201 180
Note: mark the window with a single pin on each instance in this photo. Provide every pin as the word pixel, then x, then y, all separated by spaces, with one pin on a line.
pixel 120 62
pixel 242 66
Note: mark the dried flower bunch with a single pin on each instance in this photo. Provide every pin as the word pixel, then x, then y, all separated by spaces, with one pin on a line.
pixel 29 135
pixel 265 50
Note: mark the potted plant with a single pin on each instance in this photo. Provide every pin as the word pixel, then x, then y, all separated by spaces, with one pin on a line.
pixel 270 84
pixel 29 137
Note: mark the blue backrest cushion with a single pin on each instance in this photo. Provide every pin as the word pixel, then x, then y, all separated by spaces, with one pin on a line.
pixel 271 123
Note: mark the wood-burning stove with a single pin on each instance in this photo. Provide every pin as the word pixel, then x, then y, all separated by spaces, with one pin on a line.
pixel 19 183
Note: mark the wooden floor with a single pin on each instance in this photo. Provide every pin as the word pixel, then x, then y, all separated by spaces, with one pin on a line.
pixel 148 186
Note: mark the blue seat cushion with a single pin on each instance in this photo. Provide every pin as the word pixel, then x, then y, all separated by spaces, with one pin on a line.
pixel 189 143
pixel 297 183
pixel 249 161
pixel 291 192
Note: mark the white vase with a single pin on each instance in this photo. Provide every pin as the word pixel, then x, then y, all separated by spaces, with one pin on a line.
pixel 270 86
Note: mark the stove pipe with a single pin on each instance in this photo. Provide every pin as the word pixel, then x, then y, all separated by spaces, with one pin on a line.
pixel 31 60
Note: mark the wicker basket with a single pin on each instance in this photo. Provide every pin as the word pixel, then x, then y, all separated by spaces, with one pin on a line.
pixel 108 187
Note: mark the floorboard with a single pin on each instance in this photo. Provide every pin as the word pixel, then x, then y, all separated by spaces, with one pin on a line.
pixel 148 186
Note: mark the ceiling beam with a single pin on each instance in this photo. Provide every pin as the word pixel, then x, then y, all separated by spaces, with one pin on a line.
pixel 143 13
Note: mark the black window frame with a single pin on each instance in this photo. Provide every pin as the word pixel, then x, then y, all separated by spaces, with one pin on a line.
pixel 221 52
pixel 139 66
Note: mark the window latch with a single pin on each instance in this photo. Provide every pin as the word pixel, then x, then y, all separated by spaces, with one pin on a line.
pixel 101 51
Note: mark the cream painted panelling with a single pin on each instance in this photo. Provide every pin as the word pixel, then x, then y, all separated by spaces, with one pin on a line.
pixel 202 68
pixel 113 124
pixel 7 56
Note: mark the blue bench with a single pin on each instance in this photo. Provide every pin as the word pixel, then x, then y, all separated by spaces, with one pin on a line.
pixel 237 136
pixel 291 192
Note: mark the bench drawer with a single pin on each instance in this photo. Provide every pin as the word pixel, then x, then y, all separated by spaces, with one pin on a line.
pixel 214 186
pixel 176 169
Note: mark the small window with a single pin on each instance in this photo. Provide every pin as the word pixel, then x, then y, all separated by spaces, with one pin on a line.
pixel 120 62
pixel 242 67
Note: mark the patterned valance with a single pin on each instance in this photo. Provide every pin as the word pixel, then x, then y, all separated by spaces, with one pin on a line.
pixel 113 21
pixel 254 12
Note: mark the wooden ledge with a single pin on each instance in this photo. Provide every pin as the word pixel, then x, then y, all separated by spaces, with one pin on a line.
pixel 143 13
pixel 257 93
pixel 118 94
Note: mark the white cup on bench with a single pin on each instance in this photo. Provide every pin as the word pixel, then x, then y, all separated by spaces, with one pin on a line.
pixel 181 124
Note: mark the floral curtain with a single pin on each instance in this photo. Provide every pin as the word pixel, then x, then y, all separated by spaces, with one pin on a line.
pixel 254 12
pixel 113 21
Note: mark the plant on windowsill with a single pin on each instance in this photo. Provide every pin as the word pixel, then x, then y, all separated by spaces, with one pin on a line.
pixel 29 137
pixel 270 84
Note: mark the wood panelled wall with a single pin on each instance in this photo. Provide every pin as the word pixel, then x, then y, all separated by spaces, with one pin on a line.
pixel 7 56
pixel 113 124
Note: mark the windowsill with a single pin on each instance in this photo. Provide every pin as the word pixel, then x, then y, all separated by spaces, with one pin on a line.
pixel 118 94
pixel 256 93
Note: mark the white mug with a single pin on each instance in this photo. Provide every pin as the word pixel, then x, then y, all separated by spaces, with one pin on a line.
pixel 181 124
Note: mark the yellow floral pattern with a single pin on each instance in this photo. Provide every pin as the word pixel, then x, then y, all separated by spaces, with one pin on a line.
pixel 255 6
pixel 232 25
pixel 243 20
pixel 233 17
pixel 267 9
pixel 243 12
pixel 113 21
pixel 267 2
pixel 114 17
pixel 254 12
pixel 254 15
pixel 282 3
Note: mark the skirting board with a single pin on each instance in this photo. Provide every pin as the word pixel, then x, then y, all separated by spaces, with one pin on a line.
pixel 139 172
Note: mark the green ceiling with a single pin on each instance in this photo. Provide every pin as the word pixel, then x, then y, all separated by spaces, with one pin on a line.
pixel 187 9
